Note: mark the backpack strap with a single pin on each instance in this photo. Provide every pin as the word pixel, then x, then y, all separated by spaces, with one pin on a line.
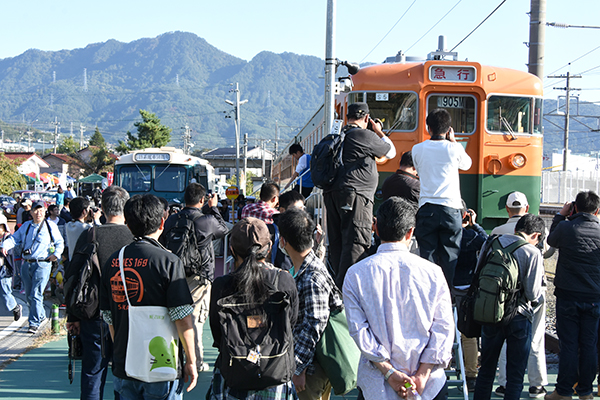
pixel 275 247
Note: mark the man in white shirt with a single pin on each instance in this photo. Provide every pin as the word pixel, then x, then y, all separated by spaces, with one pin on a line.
pixel 439 219
pixel 399 313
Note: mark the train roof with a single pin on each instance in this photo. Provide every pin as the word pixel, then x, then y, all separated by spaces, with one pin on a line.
pixel 417 75
pixel 169 155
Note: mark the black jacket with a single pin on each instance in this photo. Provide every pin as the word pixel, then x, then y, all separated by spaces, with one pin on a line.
pixel 209 226
pixel 578 268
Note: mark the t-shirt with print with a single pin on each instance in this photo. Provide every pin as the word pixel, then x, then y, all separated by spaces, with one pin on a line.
pixel 154 276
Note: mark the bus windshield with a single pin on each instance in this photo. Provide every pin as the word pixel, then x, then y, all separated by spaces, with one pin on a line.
pixel 169 178
pixel 512 114
pixel 135 178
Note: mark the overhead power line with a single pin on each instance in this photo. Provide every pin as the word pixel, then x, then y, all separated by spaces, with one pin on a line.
pixel 391 29
pixel 477 27
pixel 430 29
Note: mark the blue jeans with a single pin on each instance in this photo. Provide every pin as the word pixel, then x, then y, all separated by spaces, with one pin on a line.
pixel 439 231
pixel 577 329
pixel 6 293
pixel 137 390
pixel 518 342
pixel 35 277
pixel 93 367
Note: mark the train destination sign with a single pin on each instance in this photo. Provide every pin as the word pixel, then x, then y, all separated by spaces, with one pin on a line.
pixel 446 73
pixel 152 157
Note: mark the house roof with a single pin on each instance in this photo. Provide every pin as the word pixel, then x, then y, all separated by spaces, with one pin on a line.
pixel 62 157
pixel 229 152
pixel 26 156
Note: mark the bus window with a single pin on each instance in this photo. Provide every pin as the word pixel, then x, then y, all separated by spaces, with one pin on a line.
pixel 169 178
pixel 461 109
pixel 538 115
pixel 397 110
pixel 511 114
pixel 135 178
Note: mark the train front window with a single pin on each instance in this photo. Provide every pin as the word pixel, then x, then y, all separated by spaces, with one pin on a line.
pixel 169 178
pixel 512 114
pixel 397 110
pixel 460 107
pixel 135 178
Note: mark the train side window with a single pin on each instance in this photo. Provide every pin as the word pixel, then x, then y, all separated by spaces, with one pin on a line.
pixel 461 109
pixel 397 110
pixel 513 114
pixel 135 178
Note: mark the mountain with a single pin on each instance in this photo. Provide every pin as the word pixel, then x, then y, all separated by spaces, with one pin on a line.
pixel 177 75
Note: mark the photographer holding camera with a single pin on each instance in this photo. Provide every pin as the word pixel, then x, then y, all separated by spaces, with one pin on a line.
pixel 84 215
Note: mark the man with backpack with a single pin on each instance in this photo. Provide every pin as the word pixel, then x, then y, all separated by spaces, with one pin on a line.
pixel 496 265
pixel 189 234
pixel 575 232
pixel 317 297
pixel 349 200
pixel 95 340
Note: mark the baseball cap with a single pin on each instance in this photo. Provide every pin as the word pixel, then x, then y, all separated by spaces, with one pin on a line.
pixel 250 232
pixel 26 202
pixel 516 200
pixel 358 110
pixel 38 204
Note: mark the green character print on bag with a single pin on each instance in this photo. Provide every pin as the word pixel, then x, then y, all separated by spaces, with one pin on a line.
pixel 163 356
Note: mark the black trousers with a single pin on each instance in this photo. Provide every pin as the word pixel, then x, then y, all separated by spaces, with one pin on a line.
pixel 349 227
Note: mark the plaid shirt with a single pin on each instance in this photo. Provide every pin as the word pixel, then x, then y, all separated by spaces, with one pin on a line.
pixel 317 293
pixel 260 210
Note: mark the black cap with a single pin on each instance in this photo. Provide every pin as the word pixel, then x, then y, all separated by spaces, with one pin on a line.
pixel 38 204
pixel 357 110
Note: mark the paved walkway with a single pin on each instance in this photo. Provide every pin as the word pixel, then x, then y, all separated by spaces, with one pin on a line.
pixel 41 374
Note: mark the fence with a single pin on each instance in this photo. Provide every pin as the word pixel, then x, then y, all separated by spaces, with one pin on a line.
pixel 559 187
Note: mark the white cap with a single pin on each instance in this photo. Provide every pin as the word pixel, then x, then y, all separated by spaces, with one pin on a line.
pixel 516 200
pixel 4 221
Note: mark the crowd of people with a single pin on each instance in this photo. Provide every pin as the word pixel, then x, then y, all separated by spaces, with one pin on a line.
pixel 396 274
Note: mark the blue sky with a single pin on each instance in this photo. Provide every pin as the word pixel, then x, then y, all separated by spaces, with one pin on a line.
pixel 244 28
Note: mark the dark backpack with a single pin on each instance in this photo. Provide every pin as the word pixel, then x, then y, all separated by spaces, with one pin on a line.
pixel 257 342
pixel 82 280
pixel 181 240
pixel 326 160
pixel 498 286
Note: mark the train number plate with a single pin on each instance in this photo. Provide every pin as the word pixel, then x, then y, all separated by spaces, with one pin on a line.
pixel 451 101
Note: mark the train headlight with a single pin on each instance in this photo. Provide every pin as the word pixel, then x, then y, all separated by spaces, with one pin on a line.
pixel 517 160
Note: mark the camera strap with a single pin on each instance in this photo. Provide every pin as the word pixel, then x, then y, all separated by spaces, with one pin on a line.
pixel 37 233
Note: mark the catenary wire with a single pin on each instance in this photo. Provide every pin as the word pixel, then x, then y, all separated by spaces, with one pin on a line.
pixel 430 29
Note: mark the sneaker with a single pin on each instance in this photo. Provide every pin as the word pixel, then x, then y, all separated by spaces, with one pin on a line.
pixel 32 329
pixel 556 396
pixel 471 384
pixel 500 390
pixel 17 311
pixel 537 391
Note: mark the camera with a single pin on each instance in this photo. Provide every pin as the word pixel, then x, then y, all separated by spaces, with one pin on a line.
pixel 75 350
pixel 94 209
pixel 27 252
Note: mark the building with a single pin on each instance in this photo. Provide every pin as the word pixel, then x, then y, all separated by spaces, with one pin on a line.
pixel 29 162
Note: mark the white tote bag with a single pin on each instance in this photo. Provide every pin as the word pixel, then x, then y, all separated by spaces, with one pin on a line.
pixel 152 343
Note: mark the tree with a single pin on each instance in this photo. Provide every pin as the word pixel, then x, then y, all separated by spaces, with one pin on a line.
pixel 101 161
pixel 151 133
pixel 10 178
pixel 97 139
pixel 249 185
pixel 68 146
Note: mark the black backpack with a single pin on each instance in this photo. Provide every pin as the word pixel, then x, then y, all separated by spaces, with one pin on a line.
pixel 326 160
pixel 181 240
pixel 82 280
pixel 257 342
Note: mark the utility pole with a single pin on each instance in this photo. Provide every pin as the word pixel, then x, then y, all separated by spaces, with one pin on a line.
pixel 276 138
pixel 187 140
pixel 244 184
pixel 236 106
pixel 81 130
pixel 2 131
pixel 567 112
pixel 29 133
pixel 330 65
pixel 56 123
pixel 537 37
